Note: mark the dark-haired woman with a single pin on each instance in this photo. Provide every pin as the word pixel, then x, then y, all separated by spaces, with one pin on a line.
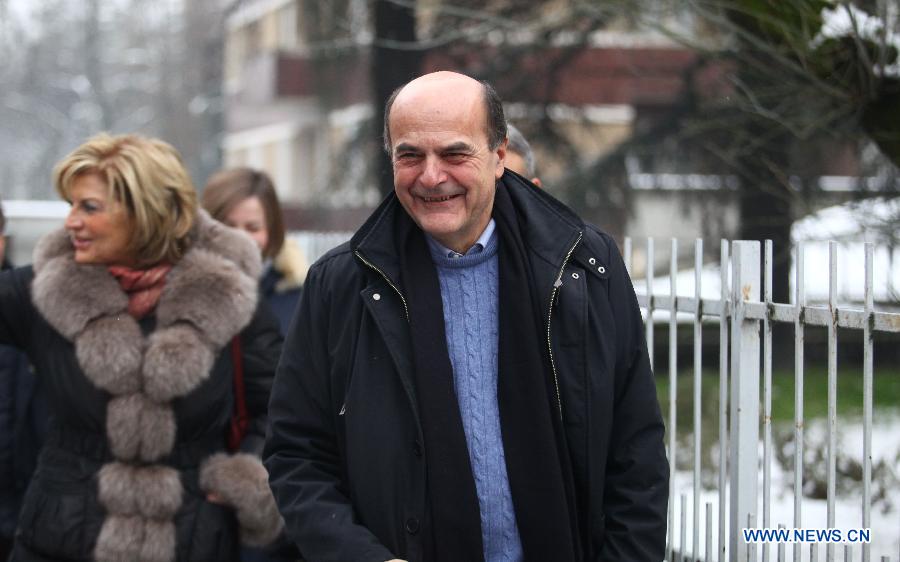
pixel 245 199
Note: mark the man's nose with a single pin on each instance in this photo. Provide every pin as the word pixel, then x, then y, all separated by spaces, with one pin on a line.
pixel 433 173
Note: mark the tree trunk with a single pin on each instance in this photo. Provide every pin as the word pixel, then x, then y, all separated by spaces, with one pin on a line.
pixel 94 65
pixel 766 214
pixel 391 68
pixel 763 164
pixel 203 36
pixel 766 202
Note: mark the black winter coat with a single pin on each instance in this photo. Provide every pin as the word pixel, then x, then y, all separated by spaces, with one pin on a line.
pixel 131 454
pixel 283 304
pixel 282 283
pixel 345 449
pixel 23 424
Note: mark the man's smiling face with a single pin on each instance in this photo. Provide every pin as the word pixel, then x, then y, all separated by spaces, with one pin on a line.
pixel 444 170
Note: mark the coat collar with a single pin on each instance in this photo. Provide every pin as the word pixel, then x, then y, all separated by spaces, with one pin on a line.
pixel 211 279
pixel 551 230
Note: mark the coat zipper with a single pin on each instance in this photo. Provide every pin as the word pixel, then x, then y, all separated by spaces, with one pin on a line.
pixel 556 285
pixel 365 261
pixel 409 392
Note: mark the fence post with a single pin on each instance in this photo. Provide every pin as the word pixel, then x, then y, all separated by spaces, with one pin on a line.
pixel 744 423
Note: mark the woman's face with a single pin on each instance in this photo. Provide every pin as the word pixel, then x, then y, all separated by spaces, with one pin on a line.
pixel 98 225
pixel 249 216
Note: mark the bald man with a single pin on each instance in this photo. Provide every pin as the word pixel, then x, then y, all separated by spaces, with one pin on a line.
pixel 467 379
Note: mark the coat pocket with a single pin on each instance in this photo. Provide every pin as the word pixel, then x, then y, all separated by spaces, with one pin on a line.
pixel 213 533
pixel 59 520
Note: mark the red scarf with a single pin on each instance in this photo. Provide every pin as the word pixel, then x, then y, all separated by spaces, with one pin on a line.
pixel 143 286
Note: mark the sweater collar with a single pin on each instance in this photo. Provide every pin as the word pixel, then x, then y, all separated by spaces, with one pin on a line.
pixel 440 253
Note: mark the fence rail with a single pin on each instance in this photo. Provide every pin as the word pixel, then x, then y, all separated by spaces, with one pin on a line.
pixel 745 312
pixel 315 244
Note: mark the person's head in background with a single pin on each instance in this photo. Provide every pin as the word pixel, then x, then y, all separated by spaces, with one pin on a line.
pixel 245 199
pixel 519 156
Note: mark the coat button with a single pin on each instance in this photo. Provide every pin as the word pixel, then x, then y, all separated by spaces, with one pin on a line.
pixel 574 276
pixel 412 525
pixel 377 296
pixel 592 261
pixel 417 448
pixel 601 269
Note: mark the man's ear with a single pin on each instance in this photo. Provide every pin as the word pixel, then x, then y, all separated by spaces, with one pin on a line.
pixel 500 151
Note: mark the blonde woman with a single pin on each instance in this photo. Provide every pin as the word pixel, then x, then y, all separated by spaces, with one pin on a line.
pixel 129 315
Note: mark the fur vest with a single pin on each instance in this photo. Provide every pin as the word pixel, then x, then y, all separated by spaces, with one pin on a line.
pixel 209 296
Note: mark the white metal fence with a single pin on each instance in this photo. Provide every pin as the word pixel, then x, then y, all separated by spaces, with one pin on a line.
pixel 315 244
pixel 743 308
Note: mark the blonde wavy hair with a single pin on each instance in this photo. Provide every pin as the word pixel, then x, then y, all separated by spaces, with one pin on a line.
pixel 147 176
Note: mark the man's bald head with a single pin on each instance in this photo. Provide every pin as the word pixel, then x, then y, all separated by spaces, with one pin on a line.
pixel 495 121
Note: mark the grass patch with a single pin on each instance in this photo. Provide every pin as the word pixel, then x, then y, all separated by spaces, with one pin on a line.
pixel 886 395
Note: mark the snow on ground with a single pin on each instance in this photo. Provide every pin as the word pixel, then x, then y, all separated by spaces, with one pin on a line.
pixel 885 525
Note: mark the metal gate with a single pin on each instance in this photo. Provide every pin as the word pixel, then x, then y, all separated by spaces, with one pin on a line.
pixel 745 313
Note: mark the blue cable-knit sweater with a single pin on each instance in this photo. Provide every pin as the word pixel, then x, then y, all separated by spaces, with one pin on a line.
pixel 469 285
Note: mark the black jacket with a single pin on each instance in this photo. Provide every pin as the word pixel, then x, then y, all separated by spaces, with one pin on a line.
pixel 282 283
pixel 23 423
pixel 345 450
pixel 283 304
pixel 63 511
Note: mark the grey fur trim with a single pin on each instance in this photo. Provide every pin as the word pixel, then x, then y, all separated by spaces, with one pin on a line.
pixel 242 481
pixel 159 541
pixel 54 244
pixel 138 428
pixel 70 295
pixel 210 293
pixel 212 287
pixel 109 351
pixel 120 539
pixel 135 539
pixel 151 491
pixel 231 243
pixel 176 362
